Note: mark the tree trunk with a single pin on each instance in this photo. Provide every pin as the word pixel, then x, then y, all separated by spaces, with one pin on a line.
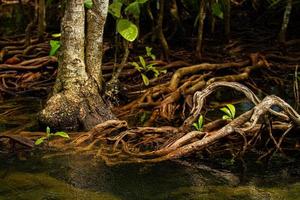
pixel 76 102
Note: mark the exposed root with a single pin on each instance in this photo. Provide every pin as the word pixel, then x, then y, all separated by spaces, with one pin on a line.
pixel 186 81
pixel 115 142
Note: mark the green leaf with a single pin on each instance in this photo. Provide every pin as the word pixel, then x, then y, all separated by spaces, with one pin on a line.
pixel 149 53
pixel 226 117
pixel 200 121
pixel 226 111
pixel 150 66
pixel 115 9
pixel 136 66
pixel 142 61
pixel 196 126
pixel 56 35
pixel 163 71
pixel 127 29
pixel 232 110
pixel 156 72
pixel 153 57
pixel 62 134
pixel 55 45
pixel 145 79
pixel 40 140
pixel 88 4
pixel 48 131
pixel 134 9
pixel 216 10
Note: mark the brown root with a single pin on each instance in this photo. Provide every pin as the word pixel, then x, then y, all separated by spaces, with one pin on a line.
pixel 115 142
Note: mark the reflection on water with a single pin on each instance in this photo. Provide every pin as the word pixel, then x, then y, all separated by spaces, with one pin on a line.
pixel 82 178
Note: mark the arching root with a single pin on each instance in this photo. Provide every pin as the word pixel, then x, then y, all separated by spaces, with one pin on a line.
pixel 114 142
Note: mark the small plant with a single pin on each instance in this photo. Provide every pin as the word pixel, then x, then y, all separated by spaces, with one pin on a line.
pixel 54 44
pixel 144 68
pixel 50 135
pixel 229 111
pixel 199 124
pixel 123 11
pixel 149 53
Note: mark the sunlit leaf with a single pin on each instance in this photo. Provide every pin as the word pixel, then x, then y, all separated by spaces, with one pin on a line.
pixel 226 111
pixel 48 131
pixel 226 117
pixel 196 126
pixel 55 45
pixel 62 134
pixel 200 121
pixel 115 9
pixel 136 66
pixel 156 72
pixel 127 29
pixel 163 71
pixel 88 4
pixel 40 141
pixel 232 110
pixel 142 61
pixel 149 53
pixel 56 35
pixel 145 79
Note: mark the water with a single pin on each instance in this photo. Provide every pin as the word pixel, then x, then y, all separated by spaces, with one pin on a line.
pixel 81 178
pixel 31 177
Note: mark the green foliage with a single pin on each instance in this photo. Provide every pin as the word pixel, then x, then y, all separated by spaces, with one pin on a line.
pixel 145 68
pixel 229 111
pixel 199 124
pixel 56 35
pixel 88 4
pixel 50 135
pixel 217 10
pixel 126 28
pixel 115 9
pixel 149 53
pixel 55 45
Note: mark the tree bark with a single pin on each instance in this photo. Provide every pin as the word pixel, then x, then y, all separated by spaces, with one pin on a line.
pixel 76 102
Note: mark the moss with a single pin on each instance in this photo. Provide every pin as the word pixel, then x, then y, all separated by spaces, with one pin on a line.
pixel 291 192
pixel 25 186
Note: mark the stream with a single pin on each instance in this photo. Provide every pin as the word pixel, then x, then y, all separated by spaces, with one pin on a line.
pixel 30 176
pixel 78 177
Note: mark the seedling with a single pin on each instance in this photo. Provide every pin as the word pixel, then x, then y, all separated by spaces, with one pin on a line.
pixel 55 45
pixel 199 124
pixel 50 135
pixel 229 111
pixel 144 68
